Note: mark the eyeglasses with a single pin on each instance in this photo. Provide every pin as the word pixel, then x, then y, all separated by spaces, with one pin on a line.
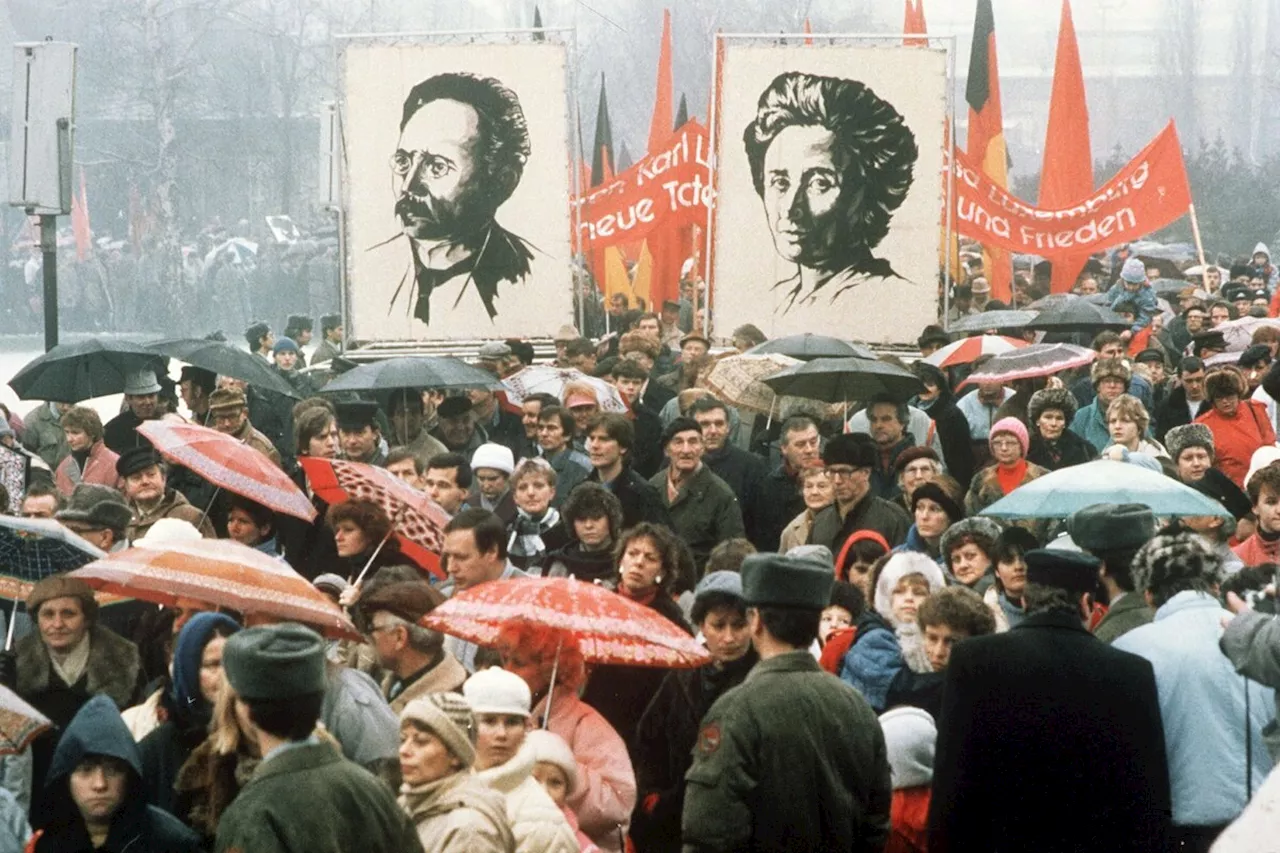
pixel 841 472
pixel 1005 442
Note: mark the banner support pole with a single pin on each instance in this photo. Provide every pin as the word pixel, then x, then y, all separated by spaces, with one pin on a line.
pixel 1195 232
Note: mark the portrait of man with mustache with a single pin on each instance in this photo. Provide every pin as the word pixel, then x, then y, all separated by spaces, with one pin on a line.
pixel 462 149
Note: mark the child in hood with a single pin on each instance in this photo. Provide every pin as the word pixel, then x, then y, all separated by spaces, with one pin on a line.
pixel 1135 288
pixel 887 663
pixel 910 736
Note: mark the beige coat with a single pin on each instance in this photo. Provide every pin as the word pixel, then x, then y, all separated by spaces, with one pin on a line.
pixel 458 814
pixel 797 532
pixel 536 821
pixel 173 505
pixel 445 677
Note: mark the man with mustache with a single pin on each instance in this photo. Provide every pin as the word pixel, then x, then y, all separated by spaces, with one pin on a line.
pixel 462 150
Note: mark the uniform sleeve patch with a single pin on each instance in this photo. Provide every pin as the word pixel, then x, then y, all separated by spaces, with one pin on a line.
pixel 709 739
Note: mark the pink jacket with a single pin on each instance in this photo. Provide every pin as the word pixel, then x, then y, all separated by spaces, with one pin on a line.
pixel 606 791
pixel 99 469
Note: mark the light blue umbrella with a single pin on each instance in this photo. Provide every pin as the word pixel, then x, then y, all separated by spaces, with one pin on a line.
pixel 1059 494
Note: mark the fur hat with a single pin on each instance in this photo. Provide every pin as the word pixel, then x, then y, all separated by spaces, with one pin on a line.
pixel 1180 438
pixel 1175 560
pixel 898 567
pixel 850 448
pixel 1052 398
pixel 952 505
pixel 1110 368
pixel 1014 427
pixel 449 717
pixel 985 532
pixel 910 736
pixel 1223 382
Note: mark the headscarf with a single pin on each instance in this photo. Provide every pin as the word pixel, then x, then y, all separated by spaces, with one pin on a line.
pixel 187 654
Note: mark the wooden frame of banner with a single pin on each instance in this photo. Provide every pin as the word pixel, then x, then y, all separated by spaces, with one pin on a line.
pixel 573 140
pixel 713 133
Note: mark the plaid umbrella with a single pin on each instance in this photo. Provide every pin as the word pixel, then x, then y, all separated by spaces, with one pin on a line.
pixel 737 380
pixel 31 549
pixel 20 723
pixel 219 573
pixel 230 464
pixel 609 628
pixel 549 379
pixel 417 521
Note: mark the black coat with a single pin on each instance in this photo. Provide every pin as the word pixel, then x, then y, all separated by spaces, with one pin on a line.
pixel 640 500
pixel 665 737
pixel 1050 740
pixel 646 452
pixel 308 545
pixel 621 693
pixel 1173 412
pixel 742 471
pixel 776 504
pixel 121 433
pixel 165 750
pixel 953 435
pixel 1068 450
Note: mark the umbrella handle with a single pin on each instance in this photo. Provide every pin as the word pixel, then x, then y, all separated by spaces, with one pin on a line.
pixel 13 620
pixel 551 688
pixel 209 508
pixel 378 550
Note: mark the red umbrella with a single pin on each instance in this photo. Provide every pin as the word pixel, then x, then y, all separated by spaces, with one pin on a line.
pixel 229 464
pixel 218 573
pixel 609 628
pixel 969 350
pixel 417 521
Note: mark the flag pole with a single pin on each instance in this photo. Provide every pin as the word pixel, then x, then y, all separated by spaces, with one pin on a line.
pixel 1195 232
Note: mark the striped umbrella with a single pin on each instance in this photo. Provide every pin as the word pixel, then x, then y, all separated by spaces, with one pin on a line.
pixel 608 628
pixel 229 464
pixel 218 573
pixel 1032 361
pixel 968 350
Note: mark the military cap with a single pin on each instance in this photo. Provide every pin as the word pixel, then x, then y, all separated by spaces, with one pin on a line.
pixel 275 662
pixel 1069 570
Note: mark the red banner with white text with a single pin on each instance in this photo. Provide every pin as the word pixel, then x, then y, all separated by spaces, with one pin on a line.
pixel 1147 194
pixel 669 187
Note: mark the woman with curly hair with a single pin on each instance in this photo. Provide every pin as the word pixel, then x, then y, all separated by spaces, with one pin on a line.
pixel 1240 426
pixel 592 516
pixel 551 663
pixel 648 560
pixel 359 526
pixel 90 460
pixel 968 552
pixel 1053 446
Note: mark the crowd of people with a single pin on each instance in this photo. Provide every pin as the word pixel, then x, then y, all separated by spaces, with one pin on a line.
pixel 890 669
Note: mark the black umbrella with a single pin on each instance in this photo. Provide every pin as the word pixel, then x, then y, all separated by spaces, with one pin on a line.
pixel 841 380
pixel 225 360
pixel 809 346
pixel 69 373
pixel 988 320
pixel 1169 288
pixel 1078 316
pixel 425 371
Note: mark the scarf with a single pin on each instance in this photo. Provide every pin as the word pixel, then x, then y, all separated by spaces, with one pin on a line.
pixel 645 598
pixel 526 533
pixel 1010 477
pixel 71 666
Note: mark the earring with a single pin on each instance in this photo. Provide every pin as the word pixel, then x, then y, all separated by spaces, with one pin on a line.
pixel 658 579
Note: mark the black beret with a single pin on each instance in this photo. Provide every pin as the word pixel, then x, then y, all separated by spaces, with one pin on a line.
pixel 357 414
pixel 775 580
pixel 1067 570
pixel 1112 527
pixel 134 460
pixel 678 426
pixel 452 407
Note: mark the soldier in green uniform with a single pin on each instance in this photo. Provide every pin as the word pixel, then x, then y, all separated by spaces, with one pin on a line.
pixel 304 796
pixel 793 759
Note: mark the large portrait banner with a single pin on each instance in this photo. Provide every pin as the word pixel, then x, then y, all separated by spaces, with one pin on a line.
pixel 456 190
pixel 829 194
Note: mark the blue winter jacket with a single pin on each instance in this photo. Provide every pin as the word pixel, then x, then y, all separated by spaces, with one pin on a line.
pixel 1202 704
pixel 1144 297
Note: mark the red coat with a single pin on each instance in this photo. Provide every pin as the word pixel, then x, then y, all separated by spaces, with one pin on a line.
pixel 1235 439
pixel 909 819
pixel 99 469
pixel 1255 551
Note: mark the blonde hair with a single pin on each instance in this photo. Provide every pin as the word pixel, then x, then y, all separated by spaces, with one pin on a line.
pixel 225 735
pixel 1129 408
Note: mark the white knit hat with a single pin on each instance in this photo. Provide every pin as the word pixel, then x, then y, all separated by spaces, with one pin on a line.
pixel 496 691
pixel 494 456
pixel 551 748
pixel 1262 457
pixel 910 736
pixel 898 567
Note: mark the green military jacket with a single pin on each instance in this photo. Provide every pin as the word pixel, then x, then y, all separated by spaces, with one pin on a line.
pixel 309 799
pixel 1128 613
pixel 791 759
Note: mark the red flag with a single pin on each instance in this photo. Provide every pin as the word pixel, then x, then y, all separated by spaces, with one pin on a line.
pixel 1066 175
pixel 80 221
pixel 660 124
pixel 913 23
pixel 986 133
